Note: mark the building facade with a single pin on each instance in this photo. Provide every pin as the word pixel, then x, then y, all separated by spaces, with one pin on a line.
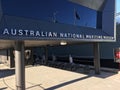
pixel 38 23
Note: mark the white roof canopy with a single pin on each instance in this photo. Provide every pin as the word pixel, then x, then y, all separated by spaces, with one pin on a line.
pixel 93 4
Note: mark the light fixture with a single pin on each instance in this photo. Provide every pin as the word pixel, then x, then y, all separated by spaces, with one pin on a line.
pixel 63 43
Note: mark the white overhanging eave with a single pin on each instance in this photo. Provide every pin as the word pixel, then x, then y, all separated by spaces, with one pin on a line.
pixel 97 5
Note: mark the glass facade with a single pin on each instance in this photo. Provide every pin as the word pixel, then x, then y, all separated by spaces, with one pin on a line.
pixel 60 11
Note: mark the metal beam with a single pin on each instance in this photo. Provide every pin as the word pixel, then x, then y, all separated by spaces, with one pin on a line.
pixel 19 65
pixel 96 58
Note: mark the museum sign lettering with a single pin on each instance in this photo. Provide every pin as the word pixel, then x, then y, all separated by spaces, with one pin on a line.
pixel 45 34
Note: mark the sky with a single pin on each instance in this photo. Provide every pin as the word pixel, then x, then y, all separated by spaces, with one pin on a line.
pixel 118 10
pixel 118 6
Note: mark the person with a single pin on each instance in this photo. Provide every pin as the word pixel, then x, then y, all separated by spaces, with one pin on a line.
pixel 34 60
pixel 37 60
pixel 43 59
pixel 27 56
pixel 70 59
pixel 53 58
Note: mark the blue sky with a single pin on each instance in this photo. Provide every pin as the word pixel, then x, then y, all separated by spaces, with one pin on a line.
pixel 118 6
pixel 118 10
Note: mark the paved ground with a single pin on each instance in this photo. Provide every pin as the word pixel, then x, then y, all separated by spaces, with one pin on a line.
pixel 48 78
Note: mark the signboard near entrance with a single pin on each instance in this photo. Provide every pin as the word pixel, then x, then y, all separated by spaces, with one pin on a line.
pixel 61 20
pixel 31 34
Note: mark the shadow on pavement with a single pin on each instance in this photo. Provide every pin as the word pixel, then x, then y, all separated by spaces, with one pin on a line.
pixel 38 85
pixel 6 72
pixel 3 88
pixel 103 75
pixel 67 83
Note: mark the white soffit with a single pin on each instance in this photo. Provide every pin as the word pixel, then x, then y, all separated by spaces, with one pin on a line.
pixel 93 4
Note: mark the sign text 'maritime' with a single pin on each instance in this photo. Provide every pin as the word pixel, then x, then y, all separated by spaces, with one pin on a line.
pixel 50 34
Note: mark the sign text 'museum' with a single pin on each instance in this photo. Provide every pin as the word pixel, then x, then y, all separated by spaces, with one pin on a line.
pixel 41 34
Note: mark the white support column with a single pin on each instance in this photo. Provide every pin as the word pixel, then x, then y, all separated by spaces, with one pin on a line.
pixel 19 65
pixel 96 58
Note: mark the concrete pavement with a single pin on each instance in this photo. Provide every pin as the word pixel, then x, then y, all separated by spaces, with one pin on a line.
pixel 48 78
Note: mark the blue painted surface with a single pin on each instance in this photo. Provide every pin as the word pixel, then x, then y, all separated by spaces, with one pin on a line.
pixel 46 9
pixel 33 19
pixel 22 28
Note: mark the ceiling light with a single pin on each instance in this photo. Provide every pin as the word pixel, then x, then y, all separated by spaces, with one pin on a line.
pixel 63 43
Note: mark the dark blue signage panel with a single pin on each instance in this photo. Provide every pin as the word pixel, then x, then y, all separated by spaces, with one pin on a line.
pixel 50 19
pixel 22 29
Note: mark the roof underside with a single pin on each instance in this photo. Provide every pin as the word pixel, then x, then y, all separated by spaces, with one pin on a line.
pixel 93 4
